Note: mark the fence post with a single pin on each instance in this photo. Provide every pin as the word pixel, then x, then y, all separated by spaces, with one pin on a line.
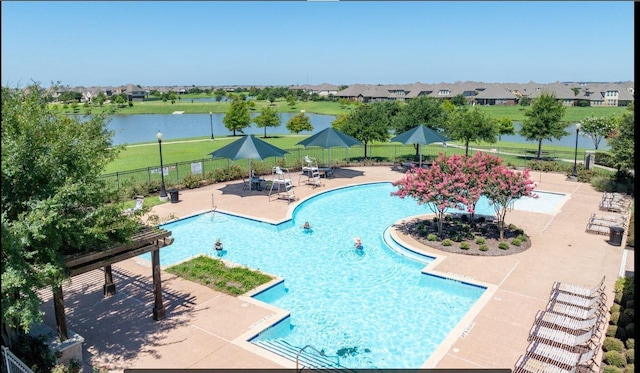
pixel 177 174
pixel 148 175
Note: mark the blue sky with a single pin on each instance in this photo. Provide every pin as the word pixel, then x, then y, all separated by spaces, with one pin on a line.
pixel 284 43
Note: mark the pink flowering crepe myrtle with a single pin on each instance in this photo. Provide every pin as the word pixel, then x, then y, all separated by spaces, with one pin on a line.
pixel 459 181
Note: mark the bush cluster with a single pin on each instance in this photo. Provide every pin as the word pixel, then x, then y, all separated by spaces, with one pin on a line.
pixel 619 344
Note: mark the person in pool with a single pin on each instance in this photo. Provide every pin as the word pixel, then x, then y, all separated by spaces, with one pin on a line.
pixel 358 243
pixel 306 226
pixel 218 246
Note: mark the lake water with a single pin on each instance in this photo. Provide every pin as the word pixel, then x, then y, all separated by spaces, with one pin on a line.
pixel 130 129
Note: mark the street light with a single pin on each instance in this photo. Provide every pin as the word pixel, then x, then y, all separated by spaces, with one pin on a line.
pixel 574 174
pixel 163 191
pixel 211 120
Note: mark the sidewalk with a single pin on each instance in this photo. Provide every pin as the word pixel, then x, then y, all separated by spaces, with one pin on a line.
pixel 206 329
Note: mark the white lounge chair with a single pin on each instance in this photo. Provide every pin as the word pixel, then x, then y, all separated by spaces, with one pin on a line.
pixel 578 301
pixel 568 341
pixel 562 322
pixel 579 290
pixel 138 206
pixel 529 364
pixel 573 311
pixel 563 358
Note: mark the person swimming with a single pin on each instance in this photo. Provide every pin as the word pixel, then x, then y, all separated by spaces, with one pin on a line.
pixel 218 246
pixel 306 225
pixel 358 243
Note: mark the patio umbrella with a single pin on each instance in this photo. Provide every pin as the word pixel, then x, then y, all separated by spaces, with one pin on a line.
pixel 420 135
pixel 248 147
pixel 329 138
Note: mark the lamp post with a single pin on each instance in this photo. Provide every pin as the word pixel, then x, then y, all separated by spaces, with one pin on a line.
pixel 574 174
pixel 211 121
pixel 163 191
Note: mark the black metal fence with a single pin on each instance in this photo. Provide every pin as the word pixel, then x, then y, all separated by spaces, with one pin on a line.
pixel 211 169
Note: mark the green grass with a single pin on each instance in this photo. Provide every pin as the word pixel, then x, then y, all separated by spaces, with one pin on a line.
pixel 516 113
pixel 213 274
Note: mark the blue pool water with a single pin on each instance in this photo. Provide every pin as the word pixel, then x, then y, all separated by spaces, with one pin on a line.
pixel 374 307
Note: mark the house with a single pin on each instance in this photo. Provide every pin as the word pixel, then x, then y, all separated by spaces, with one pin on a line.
pixel 496 94
pixel 136 94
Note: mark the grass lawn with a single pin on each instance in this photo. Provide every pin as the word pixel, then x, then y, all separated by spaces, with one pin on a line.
pixel 214 274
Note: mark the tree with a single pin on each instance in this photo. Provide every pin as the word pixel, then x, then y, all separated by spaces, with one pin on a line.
pixel 237 117
pixel 623 141
pixel 575 90
pixel 291 101
pixel 172 97
pixel 219 94
pixel 100 98
pixel 503 187
pixel 459 100
pixel 471 125
pixel 119 100
pixel 421 110
pixel 597 128
pixel 542 120
pixel 268 118
pixel 504 125
pixel 370 122
pixel 61 206
pixel 476 169
pixel 438 186
pixel 299 123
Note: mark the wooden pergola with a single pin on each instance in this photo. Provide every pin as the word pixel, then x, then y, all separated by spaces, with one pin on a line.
pixel 147 239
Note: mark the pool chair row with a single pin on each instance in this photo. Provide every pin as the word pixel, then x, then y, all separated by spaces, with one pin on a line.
pixel 615 202
pixel 565 337
pixel 600 224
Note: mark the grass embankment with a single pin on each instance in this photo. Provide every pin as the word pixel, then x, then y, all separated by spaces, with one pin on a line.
pixel 516 113
pixel 214 274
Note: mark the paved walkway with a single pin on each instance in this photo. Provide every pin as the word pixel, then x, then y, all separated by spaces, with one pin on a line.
pixel 207 329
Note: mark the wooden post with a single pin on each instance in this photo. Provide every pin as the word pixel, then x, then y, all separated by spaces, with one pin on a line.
pixel 159 311
pixel 109 288
pixel 58 306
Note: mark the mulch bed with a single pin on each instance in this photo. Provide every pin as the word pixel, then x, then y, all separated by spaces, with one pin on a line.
pixel 419 229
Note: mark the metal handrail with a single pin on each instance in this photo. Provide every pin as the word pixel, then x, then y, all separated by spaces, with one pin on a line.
pixel 321 353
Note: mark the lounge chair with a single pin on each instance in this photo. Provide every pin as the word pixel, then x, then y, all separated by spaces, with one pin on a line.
pixel 578 301
pixel 579 290
pixel 138 206
pixel 573 311
pixel 571 342
pixel 568 324
pixel 563 358
pixel 529 364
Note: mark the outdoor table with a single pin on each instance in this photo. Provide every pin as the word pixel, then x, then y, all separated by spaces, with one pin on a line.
pixel 325 172
pixel 256 183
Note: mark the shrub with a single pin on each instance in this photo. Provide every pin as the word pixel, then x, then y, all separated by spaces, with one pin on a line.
pixel 612 369
pixel 522 237
pixel 482 220
pixel 613 320
pixel 614 358
pixel 483 247
pixel 192 181
pixel 624 319
pixel 464 218
pixel 465 245
pixel 512 227
pixel 630 343
pixel 629 329
pixel 629 304
pixel 457 238
pixel 628 311
pixel 432 237
pixel 629 368
pixel 34 352
pixel 503 245
pixel 447 242
pixel 480 240
pixel 612 330
pixel 518 232
pixel 614 308
pixel 617 297
pixel 516 242
pixel 631 356
pixel 612 344
pixel 435 219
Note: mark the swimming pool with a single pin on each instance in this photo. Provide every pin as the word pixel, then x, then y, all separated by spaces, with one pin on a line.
pixel 373 308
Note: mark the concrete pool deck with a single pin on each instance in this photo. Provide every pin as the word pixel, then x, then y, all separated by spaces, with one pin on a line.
pixel 207 329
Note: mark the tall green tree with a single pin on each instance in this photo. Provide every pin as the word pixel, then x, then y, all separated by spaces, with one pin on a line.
pixel 459 100
pixel 543 120
pixel 597 128
pixel 237 117
pixel 505 126
pixel 299 123
pixel 420 110
pixel 369 122
pixel 469 125
pixel 268 118
pixel 54 202
pixel 622 142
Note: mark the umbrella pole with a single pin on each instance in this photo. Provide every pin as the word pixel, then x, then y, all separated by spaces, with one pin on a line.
pixel 420 150
pixel 249 161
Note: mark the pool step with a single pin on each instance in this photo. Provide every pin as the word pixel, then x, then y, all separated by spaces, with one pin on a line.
pixel 306 359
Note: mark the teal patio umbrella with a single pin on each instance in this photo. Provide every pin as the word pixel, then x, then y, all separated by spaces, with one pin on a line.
pixel 420 135
pixel 248 147
pixel 329 138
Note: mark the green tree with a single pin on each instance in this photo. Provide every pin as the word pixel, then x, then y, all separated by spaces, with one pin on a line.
pixel 60 207
pixel 219 94
pixel 369 122
pixel 172 97
pixel 597 128
pixel 100 98
pixel 420 110
pixel 119 100
pixel 505 126
pixel 543 120
pixel 299 123
pixel 622 142
pixel 291 101
pixel 268 118
pixel 471 125
pixel 237 117
pixel 459 100
pixel 575 90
